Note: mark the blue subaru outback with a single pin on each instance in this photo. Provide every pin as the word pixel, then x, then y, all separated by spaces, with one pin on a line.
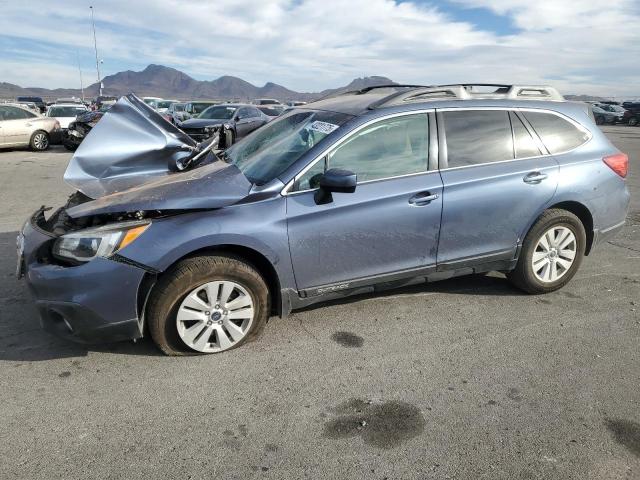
pixel 198 246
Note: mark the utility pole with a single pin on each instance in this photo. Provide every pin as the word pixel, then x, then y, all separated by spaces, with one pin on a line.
pixel 95 46
pixel 80 72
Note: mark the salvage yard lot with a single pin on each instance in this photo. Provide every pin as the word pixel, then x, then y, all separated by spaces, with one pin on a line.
pixel 467 378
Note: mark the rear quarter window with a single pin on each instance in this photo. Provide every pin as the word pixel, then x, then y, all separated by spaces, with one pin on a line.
pixel 557 134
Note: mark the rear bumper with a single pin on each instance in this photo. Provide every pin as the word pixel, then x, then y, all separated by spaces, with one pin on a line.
pixel 90 303
pixel 601 236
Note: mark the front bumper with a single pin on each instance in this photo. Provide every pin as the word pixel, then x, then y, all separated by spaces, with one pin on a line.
pixel 90 303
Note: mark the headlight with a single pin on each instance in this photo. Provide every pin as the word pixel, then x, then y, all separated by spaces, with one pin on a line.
pixel 85 245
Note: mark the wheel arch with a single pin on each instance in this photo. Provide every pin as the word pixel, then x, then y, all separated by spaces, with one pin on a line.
pixel 579 210
pixel 258 260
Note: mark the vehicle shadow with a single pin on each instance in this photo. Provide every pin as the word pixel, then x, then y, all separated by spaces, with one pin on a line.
pixel 21 338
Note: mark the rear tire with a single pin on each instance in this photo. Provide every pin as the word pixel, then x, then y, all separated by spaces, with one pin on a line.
pixel 170 300
pixel 39 141
pixel 556 264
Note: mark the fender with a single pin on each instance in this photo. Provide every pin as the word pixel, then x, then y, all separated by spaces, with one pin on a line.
pixel 259 226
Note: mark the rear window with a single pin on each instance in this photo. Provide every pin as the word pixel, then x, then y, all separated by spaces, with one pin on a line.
pixel 557 134
pixel 476 137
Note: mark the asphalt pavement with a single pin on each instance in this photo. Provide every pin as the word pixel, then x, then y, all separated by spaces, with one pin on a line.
pixel 466 378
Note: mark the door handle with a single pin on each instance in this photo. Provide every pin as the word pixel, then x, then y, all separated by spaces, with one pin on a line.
pixel 534 177
pixel 423 198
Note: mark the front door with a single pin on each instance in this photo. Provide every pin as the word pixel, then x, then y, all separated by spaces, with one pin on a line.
pixel 389 225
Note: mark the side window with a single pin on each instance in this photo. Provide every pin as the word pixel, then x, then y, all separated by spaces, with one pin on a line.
pixel 4 114
pixel 478 136
pixel 254 113
pixel 244 113
pixel 524 144
pixel 11 113
pixel 557 134
pixel 389 148
pixel 397 146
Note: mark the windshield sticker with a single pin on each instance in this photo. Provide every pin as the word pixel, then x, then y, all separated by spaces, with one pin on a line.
pixel 323 127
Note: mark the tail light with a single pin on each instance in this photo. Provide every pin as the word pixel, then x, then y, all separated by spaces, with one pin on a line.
pixel 619 163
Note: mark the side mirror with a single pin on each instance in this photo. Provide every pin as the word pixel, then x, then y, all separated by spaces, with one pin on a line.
pixel 335 180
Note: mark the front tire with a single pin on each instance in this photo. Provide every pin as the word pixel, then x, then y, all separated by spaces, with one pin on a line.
pixel 208 304
pixel 39 141
pixel 551 253
pixel 633 121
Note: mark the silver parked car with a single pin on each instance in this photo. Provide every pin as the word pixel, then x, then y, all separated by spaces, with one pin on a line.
pixel 20 127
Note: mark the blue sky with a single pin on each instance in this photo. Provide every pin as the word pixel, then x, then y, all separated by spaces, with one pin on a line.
pixel 580 47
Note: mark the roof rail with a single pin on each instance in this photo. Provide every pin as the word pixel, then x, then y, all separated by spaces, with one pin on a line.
pixel 364 90
pixel 392 85
pixel 468 91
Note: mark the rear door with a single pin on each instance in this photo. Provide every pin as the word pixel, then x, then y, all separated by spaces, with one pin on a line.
pixel 388 226
pixel 16 126
pixel 257 119
pixel 493 185
pixel 244 124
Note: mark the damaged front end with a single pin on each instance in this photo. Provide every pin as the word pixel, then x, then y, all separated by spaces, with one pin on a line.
pixel 134 165
pixel 133 171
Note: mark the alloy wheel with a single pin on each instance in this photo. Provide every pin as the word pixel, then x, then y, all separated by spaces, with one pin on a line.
pixel 40 141
pixel 215 316
pixel 554 254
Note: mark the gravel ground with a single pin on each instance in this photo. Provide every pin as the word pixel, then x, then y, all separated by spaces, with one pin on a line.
pixel 466 378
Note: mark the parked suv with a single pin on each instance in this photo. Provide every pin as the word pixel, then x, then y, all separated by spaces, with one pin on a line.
pixel 241 120
pixel 365 191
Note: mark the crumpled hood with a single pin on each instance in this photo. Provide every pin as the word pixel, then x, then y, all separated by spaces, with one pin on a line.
pixel 215 185
pixel 130 144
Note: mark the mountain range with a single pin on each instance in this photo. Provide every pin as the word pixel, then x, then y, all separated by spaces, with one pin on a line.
pixel 167 82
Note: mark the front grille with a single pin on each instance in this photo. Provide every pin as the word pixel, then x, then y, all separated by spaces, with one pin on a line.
pixel 196 133
pixel 190 131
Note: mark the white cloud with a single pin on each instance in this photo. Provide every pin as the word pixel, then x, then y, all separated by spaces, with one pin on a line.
pixel 581 47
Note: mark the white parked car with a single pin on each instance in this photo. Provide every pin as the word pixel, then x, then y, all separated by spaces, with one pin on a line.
pixel 20 127
pixel 162 106
pixel 151 100
pixel 65 113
